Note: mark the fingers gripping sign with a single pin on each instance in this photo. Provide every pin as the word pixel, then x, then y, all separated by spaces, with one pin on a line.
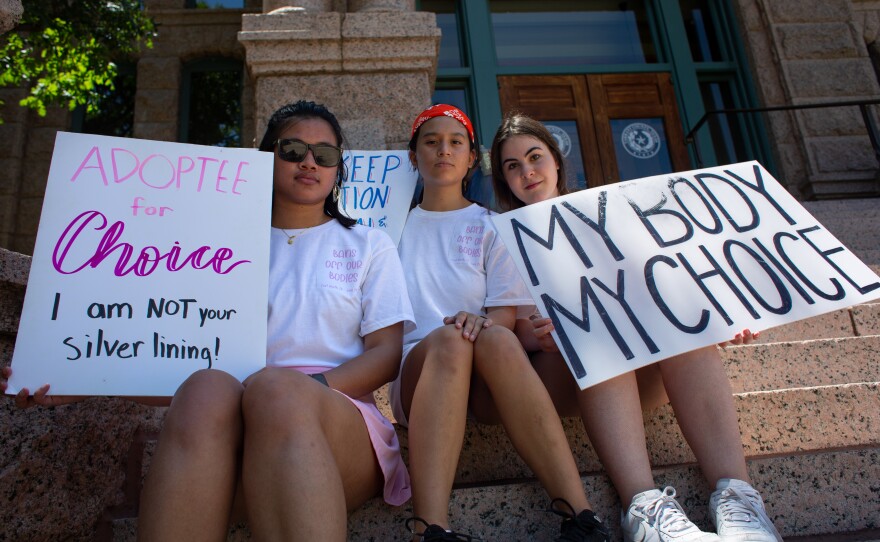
pixel 41 397
pixel 543 327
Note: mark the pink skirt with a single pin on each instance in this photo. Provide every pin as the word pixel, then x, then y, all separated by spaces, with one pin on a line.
pixel 385 445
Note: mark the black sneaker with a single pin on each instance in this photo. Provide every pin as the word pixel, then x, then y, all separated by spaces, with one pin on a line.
pixel 583 527
pixel 436 533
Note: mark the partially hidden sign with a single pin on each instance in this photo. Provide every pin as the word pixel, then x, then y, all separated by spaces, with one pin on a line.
pixel 639 271
pixel 379 189
pixel 151 262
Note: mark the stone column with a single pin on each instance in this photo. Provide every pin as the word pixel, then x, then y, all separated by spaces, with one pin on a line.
pixel 374 68
pixel 10 13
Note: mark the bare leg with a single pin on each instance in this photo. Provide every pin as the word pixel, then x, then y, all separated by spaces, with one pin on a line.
pixel 652 392
pixel 612 416
pixel 434 387
pixel 510 389
pixel 307 458
pixel 189 490
pixel 702 399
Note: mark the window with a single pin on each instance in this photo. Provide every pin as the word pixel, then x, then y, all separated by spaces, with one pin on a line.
pixel 450 43
pixel 210 105
pixel 212 4
pixel 727 136
pixel 571 33
pixel 115 115
pixel 702 39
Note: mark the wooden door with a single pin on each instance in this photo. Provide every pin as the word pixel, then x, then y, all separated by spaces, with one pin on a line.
pixel 622 126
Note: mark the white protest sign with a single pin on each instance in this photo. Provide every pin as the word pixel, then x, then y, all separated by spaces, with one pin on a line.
pixel 379 189
pixel 151 262
pixel 639 271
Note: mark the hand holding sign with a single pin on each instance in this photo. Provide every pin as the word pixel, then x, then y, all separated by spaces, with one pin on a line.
pixel 41 397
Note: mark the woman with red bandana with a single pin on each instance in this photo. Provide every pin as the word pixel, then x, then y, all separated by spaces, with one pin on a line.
pixel 464 359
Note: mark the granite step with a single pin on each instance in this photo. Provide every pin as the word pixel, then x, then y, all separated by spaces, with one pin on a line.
pixel 855 321
pixel 831 492
pixel 820 362
pixel 771 423
pixel 764 367
pixel 806 494
pixel 781 365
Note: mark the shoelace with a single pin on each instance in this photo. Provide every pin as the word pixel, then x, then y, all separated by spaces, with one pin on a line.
pixel 742 510
pixel 667 514
pixel 447 536
pixel 573 530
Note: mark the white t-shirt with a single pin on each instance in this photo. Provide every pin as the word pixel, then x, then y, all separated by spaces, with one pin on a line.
pixel 328 289
pixel 455 261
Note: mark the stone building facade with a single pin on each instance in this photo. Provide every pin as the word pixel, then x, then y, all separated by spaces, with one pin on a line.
pixel 74 473
pixel 374 62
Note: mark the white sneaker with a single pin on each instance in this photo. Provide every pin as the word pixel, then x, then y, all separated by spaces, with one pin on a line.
pixel 655 516
pixel 737 511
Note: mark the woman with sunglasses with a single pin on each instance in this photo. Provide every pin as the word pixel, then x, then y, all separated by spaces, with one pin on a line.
pixel 527 167
pixel 300 443
pixel 463 358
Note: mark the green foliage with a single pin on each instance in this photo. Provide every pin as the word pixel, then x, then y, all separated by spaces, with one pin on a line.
pixel 65 51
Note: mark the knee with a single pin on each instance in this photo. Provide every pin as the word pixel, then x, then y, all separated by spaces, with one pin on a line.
pixel 206 407
pixel 499 342
pixel 452 353
pixel 277 400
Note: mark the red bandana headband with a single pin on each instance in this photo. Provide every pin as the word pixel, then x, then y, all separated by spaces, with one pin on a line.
pixel 446 111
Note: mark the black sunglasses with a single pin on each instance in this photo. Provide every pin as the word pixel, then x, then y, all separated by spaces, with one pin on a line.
pixel 294 150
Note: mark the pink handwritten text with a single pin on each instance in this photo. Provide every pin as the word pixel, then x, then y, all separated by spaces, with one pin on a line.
pixel 161 172
pixel 144 262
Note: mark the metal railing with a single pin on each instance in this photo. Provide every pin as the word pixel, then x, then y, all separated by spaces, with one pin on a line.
pixel 870 125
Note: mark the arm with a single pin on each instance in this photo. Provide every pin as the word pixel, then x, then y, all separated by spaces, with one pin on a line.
pixel 377 365
pixel 502 316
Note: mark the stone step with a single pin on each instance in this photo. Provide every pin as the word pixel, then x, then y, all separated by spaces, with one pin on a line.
pixel 854 321
pixel 769 366
pixel 771 423
pixel 830 325
pixel 866 319
pixel 821 362
pixel 806 494
pixel 847 220
pixel 828 493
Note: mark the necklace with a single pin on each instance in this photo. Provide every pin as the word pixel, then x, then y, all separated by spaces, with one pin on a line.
pixel 292 238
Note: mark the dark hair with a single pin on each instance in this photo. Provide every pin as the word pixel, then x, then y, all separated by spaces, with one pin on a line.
pixel 515 124
pixel 289 114
pixel 465 182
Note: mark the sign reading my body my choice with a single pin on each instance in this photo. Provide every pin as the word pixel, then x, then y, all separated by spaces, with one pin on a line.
pixel 151 262
pixel 636 272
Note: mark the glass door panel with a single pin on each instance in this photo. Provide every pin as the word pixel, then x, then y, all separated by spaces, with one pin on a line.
pixel 640 147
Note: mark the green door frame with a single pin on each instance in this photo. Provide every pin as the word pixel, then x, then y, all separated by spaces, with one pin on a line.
pixel 480 76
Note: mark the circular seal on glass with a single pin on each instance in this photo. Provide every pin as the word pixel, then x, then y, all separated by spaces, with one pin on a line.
pixel 561 137
pixel 640 140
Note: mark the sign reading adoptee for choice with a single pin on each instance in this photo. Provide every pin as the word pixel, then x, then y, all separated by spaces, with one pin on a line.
pixel 379 189
pixel 636 272
pixel 151 262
